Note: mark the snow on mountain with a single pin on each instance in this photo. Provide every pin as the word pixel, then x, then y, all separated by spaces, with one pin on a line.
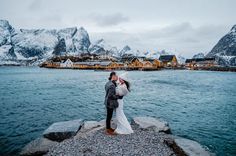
pixel 31 43
pixel 39 44
pixel 67 34
pixel 5 32
pixel 7 52
pixel 102 47
pixel 98 47
pixel 125 50
pixel 199 55
pixel 225 50
pixel 81 40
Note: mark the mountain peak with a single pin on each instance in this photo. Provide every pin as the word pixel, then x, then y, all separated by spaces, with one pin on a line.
pixel 126 48
pixel 233 29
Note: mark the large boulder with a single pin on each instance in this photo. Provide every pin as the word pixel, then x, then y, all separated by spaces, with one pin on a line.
pixel 88 125
pixel 151 123
pixel 191 148
pixel 90 128
pixel 38 146
pixel 60 131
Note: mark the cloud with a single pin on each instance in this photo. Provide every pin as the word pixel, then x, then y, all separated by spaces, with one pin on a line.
pixel 183 38
pixel 108 20
pixel 35 5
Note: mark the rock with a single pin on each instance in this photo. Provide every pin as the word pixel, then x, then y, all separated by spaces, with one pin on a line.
pixel 60 131
pixel 90 127
pixel 93 124
pixel 38 146
pixel 191 148
pixel 172 144
pixel 149 122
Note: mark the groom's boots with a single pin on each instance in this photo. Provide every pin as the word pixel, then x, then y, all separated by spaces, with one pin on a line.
pixel 110 131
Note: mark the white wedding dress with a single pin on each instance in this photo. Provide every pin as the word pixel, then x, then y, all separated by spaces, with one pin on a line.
pixel 123 125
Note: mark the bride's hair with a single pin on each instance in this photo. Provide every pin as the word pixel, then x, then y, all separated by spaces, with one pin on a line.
pixel 127 85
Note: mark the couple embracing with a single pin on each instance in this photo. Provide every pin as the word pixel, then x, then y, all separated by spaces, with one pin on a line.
pixel 116 88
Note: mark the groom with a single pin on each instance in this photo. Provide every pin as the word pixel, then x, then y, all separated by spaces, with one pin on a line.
pixel 111 102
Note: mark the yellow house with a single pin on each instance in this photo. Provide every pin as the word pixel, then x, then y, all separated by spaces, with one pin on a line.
pixel 157 63
pixel 147 64
pixel 135 63
pixel 169 60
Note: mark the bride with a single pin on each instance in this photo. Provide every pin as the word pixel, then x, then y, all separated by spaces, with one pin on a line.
pixel 123 88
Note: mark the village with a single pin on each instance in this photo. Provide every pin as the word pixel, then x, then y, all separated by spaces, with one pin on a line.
pixel 129 62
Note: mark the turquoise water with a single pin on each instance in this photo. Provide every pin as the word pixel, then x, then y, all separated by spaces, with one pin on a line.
pixel 198 105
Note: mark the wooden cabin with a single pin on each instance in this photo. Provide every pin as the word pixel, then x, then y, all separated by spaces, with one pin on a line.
pixel 135 63
pixel 169 60
pixel 66 64
pixel 157 63
pixel 147 64
pixel 200 63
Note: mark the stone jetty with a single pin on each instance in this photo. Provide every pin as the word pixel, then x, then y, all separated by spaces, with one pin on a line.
pixel 77 137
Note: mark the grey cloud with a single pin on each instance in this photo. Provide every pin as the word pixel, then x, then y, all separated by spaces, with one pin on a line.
pixel 183 38
pixel 108 20
pixel 35 5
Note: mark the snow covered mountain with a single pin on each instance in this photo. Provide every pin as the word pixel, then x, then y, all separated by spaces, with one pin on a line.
pixel 225 50
pixel 21 46
pixel 101 47
pixel 199 55
pixel 39 44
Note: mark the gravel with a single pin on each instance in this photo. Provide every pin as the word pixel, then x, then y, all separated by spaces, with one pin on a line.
pixel 140 143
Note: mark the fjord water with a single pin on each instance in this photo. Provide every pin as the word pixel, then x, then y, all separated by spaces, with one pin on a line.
pixel 198 105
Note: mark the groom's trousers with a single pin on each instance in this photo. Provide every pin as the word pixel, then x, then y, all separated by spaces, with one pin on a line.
pixel 109 116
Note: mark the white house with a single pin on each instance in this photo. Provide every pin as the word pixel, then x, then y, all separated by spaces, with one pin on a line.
pixel 67 63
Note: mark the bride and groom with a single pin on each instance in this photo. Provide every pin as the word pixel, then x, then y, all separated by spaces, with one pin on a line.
pixel 116 88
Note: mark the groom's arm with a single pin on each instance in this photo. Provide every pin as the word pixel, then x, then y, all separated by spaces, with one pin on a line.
pixel 112 93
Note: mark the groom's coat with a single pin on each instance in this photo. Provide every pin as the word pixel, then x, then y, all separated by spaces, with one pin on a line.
pixel 111 97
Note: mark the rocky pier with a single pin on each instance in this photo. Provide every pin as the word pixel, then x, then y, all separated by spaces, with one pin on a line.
pixel 151 136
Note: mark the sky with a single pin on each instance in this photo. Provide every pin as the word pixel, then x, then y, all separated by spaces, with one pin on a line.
pixel 184 27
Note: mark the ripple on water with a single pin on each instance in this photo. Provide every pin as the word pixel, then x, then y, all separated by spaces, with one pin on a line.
pixel 198 105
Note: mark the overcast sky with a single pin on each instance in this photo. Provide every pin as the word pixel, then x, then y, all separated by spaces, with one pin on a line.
pixel 183 26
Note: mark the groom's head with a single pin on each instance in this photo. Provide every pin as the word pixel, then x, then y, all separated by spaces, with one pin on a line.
pixel 113 76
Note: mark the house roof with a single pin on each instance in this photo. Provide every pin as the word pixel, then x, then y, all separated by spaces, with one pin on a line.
pixel 67 60
pixel 166 58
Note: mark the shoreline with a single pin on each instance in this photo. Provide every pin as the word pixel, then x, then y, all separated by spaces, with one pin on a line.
pixel 217 69
pixel 78 137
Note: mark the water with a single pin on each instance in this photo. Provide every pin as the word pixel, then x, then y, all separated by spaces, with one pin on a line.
pixel 199 105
